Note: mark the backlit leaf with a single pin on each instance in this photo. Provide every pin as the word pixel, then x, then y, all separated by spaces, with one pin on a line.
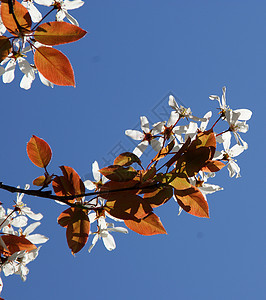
pixel 54 66
pixel 164 151
pixel 150 225
pixel 39 152
pixel 16 243
pixel 39 181
pixel 127 206
pixel 22 16
pixel 68 184
pixel 190 198
pixel 126 159
pixel 78 227
pixel 56 33
pixel 213 166
pixel 158 197
pixel 5 47
pixel 118 173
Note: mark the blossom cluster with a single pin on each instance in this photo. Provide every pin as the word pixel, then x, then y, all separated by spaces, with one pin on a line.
pixel 15 231
pixel 23 41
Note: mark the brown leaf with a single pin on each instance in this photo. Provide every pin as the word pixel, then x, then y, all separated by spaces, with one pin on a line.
pixel 150 225
pixel 39 181
pixel 118 173
pixel 68 184
pixel 22 16
pixel 189 197
pixel 56 33
pixel 16 243
pixel 78 227
pixel 127 206
pixel 158 197
pixel 39 152
pixel 213 166
pixel 5 47
pixel 54 66
pixel 164 151
pixel 126 159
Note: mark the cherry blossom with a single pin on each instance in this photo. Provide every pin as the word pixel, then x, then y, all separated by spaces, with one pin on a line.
pixel 104 233
pixel 147 136
pixel 228 154
pixel 62 7
pixel 36 16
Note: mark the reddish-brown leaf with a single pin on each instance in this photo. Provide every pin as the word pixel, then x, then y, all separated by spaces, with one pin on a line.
pixel 127 206
pixel 204 139
pixel 5 47
pixel 68 184
pixel 16 243
pixel 189 197
pixel 126 159
pixel 158 197
pixel 150 225
pixel 39 152
pixel 39 181
pixel 213 166
pixel 56 33
pixel 161 154
pixel 54 66
pixel 118 173
pixel 78 227
pixel 22 16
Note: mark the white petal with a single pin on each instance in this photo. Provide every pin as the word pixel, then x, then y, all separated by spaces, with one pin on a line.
pixel 92 217
pixel 210 188
pixel 109 242
pixel 236 150
pixel 36 16
pixel 60 15
pixel 24 65
pixel 94 241
pixel 157 128
pixel 223 97
pixel 26 81
pixel 45 81
pixel 31 228
pixel 95 171
pixel 233 169
pixel 172 103
pixel 72 4
pixel 135 134
pixel 244 114
pixel 226 140
pixel 9 74
pixel 141 148
pixel 173 118
pixel 118 229
pixel 89 185
pixel 44 2
pixel 31 214
pixel 144 124
pixel 204 124
pixel 37 238
pixel 156 144
pixel 20 221
pixel 71 19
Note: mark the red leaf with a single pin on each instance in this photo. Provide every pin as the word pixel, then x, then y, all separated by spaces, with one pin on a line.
pixel 16 243
pixel 68 184
pixel 39 152
pixel 56 33
pixel 5 47
pixel 150 225
pixel 22 16
pixel 54 66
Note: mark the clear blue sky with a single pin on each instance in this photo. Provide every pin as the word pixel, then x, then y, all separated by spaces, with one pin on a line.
pixel 136 52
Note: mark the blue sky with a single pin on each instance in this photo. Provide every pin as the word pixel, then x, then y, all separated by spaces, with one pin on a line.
pixel 135 54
